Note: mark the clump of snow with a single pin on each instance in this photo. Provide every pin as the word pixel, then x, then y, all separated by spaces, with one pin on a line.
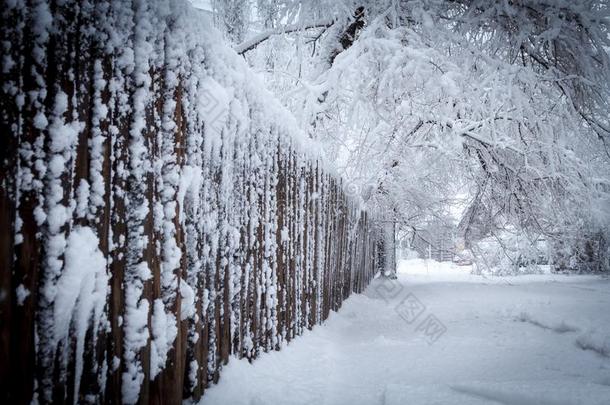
pixel 164 330
pixel 187 305
pixel 136 331
pixel 22 294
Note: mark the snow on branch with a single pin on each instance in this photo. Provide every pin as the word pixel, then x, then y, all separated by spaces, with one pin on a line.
pixel 253 42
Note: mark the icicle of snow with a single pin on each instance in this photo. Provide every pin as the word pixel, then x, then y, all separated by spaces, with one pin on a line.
pixel 81 292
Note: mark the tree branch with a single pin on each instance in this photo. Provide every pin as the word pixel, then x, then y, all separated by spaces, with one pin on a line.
pixel 253 42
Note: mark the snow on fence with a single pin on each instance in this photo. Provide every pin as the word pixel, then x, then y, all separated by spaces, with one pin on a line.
pixel 159 212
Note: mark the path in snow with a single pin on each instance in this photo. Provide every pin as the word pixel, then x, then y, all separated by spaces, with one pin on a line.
pixel 541 339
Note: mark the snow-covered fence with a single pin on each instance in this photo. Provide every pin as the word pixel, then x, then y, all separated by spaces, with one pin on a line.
pixel 159 211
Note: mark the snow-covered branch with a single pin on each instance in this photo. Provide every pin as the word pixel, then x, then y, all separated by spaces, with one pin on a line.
pixel 253 42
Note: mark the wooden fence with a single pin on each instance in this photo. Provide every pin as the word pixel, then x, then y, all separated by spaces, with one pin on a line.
pixel 158 213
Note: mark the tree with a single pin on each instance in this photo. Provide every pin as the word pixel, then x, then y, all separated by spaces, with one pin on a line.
pixel 507 102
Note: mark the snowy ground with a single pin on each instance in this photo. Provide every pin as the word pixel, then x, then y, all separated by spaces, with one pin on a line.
pixel 438 335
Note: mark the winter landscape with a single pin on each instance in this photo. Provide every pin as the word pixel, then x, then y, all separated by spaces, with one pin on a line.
pixel 305 202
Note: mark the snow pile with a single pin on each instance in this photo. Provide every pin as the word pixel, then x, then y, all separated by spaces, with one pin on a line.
pixel 585 337
pixel 595 341
pixel 559 327
pixel 423 269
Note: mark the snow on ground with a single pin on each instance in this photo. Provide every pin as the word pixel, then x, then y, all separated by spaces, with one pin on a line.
pixel 439 335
